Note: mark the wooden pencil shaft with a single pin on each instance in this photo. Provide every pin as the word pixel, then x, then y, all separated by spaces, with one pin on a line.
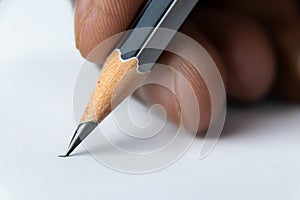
pixel 150 16
pixel 117 81
pixel 168 14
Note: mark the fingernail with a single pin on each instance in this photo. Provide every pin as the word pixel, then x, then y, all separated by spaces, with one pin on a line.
pixel 83 9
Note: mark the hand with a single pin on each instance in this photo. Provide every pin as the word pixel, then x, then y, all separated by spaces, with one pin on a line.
pixel 240 46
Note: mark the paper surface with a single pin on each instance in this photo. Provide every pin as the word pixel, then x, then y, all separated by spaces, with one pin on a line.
pixel 257 156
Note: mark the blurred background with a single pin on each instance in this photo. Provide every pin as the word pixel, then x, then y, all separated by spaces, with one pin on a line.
pixel 268 33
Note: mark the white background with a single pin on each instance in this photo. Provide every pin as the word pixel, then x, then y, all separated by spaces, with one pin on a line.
pixel 256 158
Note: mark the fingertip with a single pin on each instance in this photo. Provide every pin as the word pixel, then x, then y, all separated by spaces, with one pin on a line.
pixel 82 10
pixel 95 21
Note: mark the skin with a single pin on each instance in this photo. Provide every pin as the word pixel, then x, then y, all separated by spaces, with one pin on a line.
pixel 288 47
pixel 240 47
pixel 269 12
pixel 246 50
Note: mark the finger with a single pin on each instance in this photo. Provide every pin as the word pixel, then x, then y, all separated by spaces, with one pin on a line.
pixel 179 106
pixel 287 42
pixel 246 51
pixel 272 13
pixel 96 20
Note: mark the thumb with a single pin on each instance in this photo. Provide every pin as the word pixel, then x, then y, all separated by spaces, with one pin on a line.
pixel 97 20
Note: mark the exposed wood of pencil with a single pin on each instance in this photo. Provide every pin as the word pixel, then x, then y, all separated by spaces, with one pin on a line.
pixel 117 80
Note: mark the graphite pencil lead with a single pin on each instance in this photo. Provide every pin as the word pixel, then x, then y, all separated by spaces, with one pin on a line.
pixel 81 132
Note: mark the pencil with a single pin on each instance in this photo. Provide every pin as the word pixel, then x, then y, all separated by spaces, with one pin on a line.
pixel 123 69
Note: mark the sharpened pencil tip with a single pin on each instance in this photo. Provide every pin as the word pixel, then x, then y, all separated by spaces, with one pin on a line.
pixel 63 156
pixel 81 132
